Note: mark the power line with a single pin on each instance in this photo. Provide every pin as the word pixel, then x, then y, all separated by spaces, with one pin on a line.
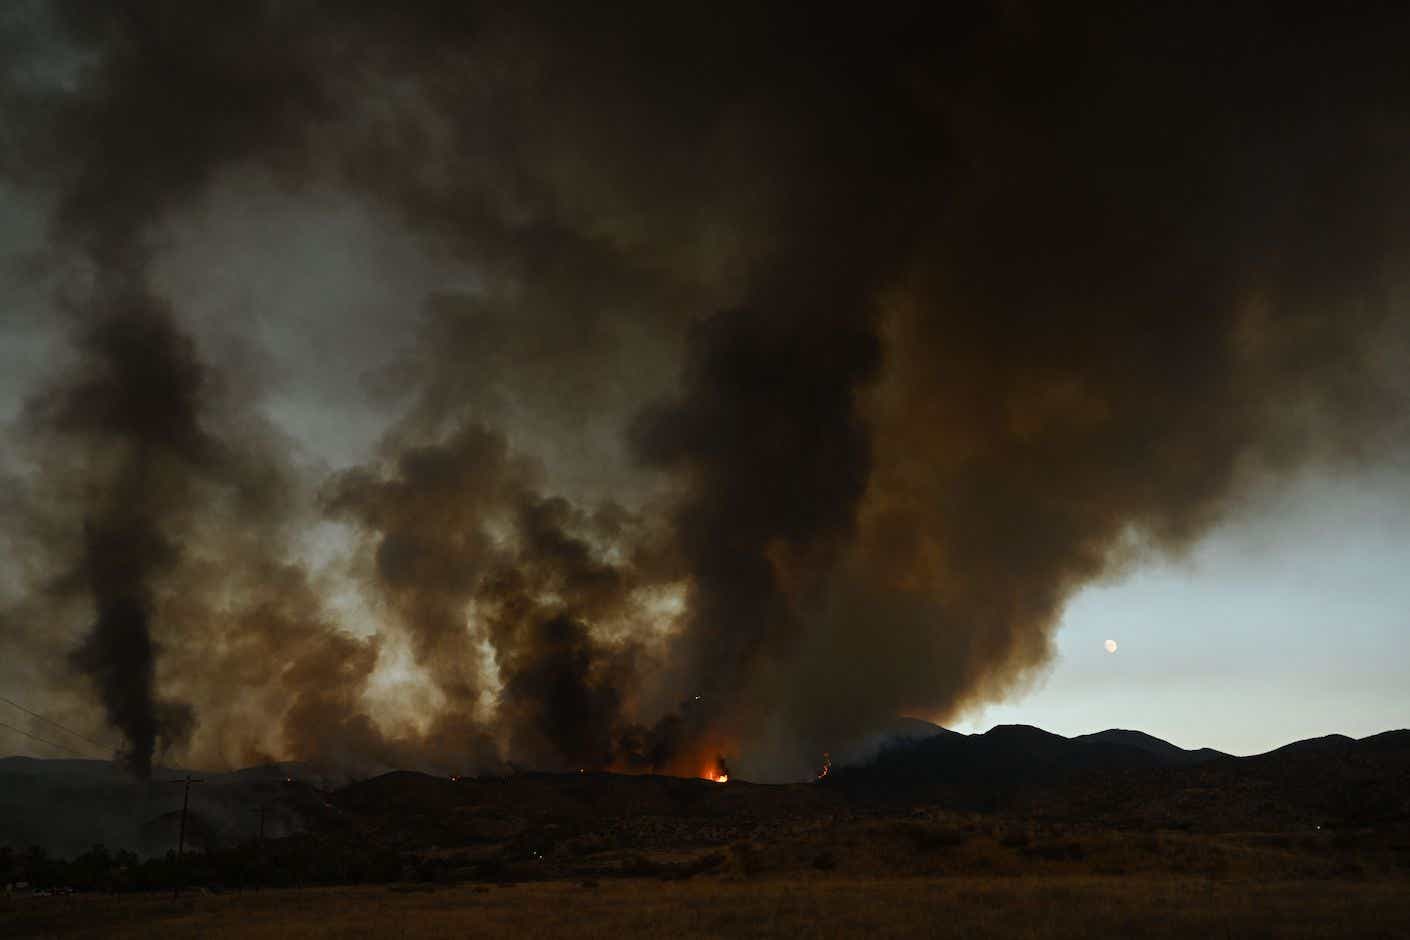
pixel 52 722
pixel 42 740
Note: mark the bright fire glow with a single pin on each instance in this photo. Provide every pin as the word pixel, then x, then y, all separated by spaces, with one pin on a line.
pixel 719 772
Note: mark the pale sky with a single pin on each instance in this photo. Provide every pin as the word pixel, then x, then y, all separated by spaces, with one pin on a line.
pixel 1290 622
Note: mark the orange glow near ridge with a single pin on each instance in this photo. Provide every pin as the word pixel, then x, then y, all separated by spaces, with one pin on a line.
pixel 718 772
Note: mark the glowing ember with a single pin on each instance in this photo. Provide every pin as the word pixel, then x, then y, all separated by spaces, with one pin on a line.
pixel 826 767
pixel 721 772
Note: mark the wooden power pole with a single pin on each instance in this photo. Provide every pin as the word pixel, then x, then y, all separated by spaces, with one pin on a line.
pixel 181 837
pixel 263 812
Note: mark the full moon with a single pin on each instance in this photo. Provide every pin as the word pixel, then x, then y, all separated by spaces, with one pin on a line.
pixel 1110 646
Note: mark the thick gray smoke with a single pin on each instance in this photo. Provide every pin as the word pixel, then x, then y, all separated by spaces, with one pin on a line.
pixel 798 370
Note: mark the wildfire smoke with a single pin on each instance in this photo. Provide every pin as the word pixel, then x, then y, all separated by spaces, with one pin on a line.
pixel 808 365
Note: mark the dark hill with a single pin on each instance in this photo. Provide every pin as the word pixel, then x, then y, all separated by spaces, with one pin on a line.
pixel 1121 779
pixel 917 728
pixel 1328 744
pixel 1330 782
pixel 1131 778
pixel 67 806
pixel 1168 753
pixel 982 771
pixel 899 730
pixel 1389 741
pixel 576 796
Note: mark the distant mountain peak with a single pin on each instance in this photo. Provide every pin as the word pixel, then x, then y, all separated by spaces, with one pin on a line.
pixel 1022 731
pixel 1327 742
pixel 1140 740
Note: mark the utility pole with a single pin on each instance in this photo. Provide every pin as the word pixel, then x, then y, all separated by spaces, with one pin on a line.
pixel 263 812
pixel 181 838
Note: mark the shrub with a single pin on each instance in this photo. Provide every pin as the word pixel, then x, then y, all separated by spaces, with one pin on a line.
pixel 639 864
pixel 1057 851
pixel 1015 839
pixel 928 838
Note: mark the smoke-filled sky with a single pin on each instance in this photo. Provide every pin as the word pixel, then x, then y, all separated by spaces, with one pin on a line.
pixel 472 386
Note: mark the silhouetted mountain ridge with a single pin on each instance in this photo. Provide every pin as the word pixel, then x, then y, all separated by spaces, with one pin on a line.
pixel 1164 750
pixel 1117 777
pixel 1130 778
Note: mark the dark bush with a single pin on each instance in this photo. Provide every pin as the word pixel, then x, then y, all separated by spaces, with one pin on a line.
pixel 639 865
pixel 928 838
pixel 1057 851
pixel 1015 839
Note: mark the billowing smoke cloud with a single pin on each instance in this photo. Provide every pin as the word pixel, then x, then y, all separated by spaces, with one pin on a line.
pixel 795 373
pixel 467 552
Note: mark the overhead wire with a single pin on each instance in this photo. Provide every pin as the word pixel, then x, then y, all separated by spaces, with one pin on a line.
pixel 42 740
pixel 50 721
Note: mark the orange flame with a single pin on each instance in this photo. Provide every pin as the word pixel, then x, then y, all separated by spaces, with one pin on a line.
pixel 720 772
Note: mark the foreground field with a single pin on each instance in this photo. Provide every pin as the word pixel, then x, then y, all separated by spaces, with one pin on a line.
pixel 816 906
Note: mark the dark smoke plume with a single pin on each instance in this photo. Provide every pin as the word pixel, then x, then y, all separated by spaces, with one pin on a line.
pixel 793 372
pixel 129 432
pixel 129 418
pixel 149 412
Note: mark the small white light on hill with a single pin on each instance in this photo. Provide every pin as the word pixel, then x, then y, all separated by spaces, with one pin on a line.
pixel 1110 646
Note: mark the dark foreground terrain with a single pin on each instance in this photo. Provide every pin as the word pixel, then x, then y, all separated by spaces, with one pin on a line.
pixel 815 906
pixel 1013 833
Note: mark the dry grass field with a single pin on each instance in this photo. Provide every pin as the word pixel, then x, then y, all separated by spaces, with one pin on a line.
pixel 816 906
